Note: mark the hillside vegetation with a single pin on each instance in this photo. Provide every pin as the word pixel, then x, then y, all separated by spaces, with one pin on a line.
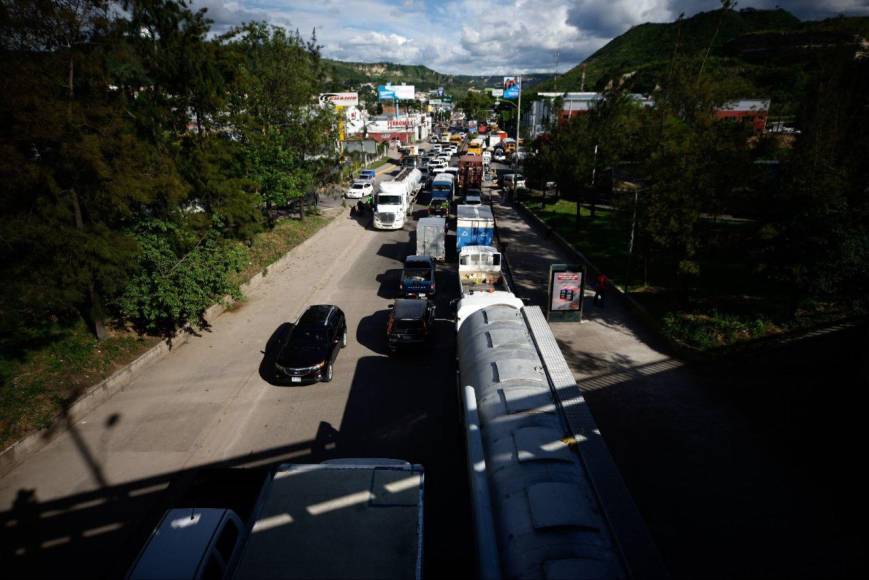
pixel 756 53
pixel 349 75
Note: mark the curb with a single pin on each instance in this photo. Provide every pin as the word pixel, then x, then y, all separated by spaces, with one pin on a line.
pixel 99 393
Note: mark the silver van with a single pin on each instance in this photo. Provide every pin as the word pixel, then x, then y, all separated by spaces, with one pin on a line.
pixel 191 543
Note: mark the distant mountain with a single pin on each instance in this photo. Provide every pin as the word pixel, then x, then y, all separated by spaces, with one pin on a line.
pixel 759 53
pixel 347 75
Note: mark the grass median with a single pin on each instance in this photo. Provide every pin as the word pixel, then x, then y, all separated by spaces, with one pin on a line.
pixel 42 375
pixel 727 303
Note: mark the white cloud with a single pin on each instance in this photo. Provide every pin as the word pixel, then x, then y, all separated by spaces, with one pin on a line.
pixel 479 36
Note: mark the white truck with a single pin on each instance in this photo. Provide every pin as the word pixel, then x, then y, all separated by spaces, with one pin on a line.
pixel 344 518
pixel 395 199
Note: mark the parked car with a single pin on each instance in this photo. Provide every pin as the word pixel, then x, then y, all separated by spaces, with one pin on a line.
pixel 418 277
pixel 359 189
pixel 309 352
pixel 507 180
pixel 311 200
pixel 367 174
pixel 410 322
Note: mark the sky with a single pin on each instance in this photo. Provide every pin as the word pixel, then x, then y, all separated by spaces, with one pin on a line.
pixel 481 36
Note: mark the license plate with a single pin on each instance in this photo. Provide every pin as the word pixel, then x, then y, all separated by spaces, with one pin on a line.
pixel 296 379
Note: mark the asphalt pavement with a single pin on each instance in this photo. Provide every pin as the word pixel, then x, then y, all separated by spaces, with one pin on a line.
pixel 84 504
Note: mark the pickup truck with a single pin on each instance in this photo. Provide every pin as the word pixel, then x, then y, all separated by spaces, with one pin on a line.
pixel 418 277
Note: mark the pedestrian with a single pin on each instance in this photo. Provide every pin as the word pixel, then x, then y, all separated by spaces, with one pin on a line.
pixel 599 289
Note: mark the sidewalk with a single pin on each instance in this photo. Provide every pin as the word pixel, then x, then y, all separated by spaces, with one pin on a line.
pixel 717 492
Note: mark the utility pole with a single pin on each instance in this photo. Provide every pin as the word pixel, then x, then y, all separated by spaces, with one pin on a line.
pixel 557 55
pixel 582 82
pixel 518 125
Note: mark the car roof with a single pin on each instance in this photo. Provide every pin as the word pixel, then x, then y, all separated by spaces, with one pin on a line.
pixel 176 548
pixel 409 308
pixel 423 260
pixel 315 315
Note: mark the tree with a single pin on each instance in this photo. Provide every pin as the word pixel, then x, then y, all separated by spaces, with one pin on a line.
pixel 273 114
pixel 74 171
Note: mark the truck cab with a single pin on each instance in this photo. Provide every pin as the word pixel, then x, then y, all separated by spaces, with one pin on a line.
pixel 389 210
pixel 480 269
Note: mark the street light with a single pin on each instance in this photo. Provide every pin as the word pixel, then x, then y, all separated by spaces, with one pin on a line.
pixel 518 106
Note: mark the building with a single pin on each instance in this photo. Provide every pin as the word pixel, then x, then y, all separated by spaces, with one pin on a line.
pixel 407 128
pixel 751 111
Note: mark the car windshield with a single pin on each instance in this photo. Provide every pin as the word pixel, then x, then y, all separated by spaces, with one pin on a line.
pixel 358 186
pixel 417 274
pixel 389 199
pixel 408 324
pixel 310 335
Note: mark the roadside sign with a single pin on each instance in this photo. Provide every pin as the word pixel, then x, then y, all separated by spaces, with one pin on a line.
pixel 511 88
pixel 566 289
pixel 385 93
pixel 340 99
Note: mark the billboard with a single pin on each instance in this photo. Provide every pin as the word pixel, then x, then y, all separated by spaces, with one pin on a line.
pixel 497 92
pixel 340 99
pixel 566 289
pixel 400 92
pixel 511 87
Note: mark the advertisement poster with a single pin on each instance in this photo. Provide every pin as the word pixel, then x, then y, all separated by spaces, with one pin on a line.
pixel 340 99
pixel 566 291
pixel 385 92
pixel 400 92
pixel 511 87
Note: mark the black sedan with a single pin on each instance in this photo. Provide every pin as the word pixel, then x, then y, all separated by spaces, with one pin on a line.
pixel 309 352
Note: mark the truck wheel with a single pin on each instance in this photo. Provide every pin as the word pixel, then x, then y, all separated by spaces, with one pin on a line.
pixel 327 375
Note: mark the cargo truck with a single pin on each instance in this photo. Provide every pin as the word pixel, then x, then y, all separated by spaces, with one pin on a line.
pixel 470 172
pixel 431 233
pixel 395 199
pixel 475 226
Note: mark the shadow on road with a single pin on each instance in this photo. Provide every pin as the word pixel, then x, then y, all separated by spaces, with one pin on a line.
pixel 272 349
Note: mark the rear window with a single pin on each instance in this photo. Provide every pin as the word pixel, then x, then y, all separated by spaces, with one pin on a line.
pixel 417 274
pixel 408 324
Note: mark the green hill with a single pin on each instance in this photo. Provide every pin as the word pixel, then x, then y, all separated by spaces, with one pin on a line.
pixel 757 53
pixel 349 75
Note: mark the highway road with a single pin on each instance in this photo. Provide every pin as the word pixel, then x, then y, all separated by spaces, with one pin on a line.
pixel 84 504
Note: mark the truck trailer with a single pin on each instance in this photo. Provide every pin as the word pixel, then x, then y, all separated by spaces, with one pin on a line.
pixel 475 226
pixel 470 172
pixel 431 233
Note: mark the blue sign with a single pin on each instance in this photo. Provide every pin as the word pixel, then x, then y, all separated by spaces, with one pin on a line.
pixel 385 93
pixel 511 92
